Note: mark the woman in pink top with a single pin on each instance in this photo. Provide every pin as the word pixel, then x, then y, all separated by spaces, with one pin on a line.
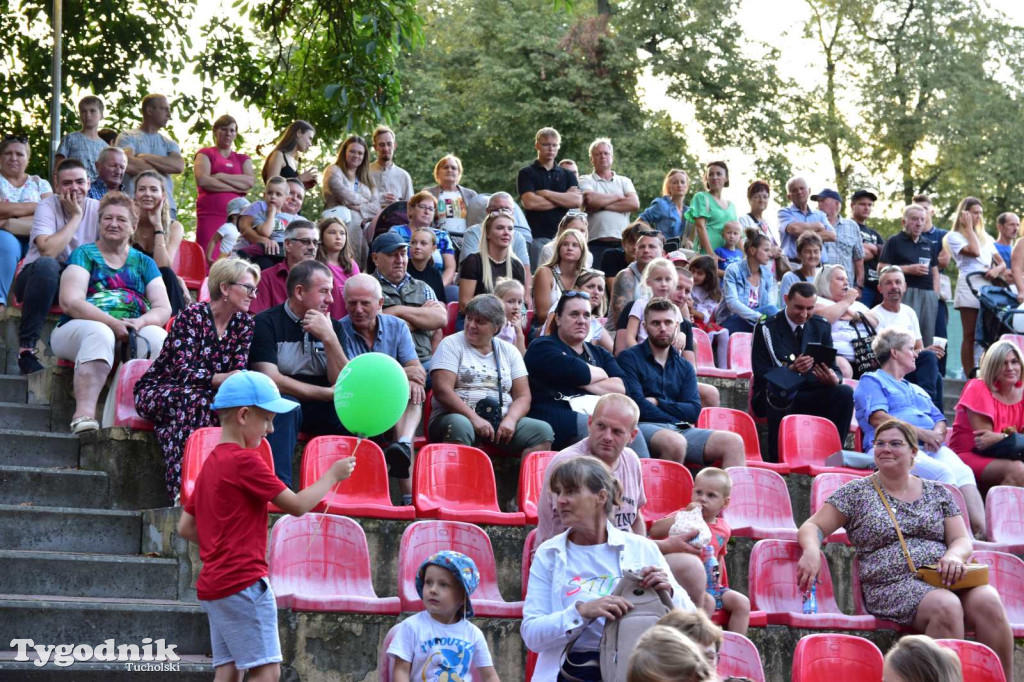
pixel 221 175
pixel 988 405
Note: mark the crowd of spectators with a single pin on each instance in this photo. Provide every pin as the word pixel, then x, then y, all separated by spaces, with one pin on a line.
pixel 606 378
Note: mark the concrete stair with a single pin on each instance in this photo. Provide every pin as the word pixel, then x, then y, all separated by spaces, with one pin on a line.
pixel 73 569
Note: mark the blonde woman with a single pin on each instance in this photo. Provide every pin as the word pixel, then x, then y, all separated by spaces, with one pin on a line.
pixel 479 273
pixel 452 198
pixel 559 273
pixel 974 251
pixel 158 236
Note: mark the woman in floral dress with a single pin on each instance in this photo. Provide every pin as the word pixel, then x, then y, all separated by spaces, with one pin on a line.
pixel 934 532
pixel 208 343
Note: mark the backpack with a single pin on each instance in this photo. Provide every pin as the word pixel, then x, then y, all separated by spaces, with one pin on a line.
pixel 620 636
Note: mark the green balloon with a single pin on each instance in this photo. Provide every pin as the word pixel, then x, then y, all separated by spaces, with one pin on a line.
pixel 371 394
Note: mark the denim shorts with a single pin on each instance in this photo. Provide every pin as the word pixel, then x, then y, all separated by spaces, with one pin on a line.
pixel 243 627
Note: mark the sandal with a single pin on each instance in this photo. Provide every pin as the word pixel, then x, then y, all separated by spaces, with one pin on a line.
pixel 83 424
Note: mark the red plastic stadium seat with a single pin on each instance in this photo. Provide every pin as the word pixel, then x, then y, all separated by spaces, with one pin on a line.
pixel 1006 575
pixel 804 443
pixel 456 482
pixel 668 487
pixel 836 657
pixel 978 662
pixel 529 547
pixel 759 505
pixel 531 482
pixel 737 421
pixel 453 316
pixel 425 538
pixel 1015 339
pixel 320 562
pixel 740 348
pixel 204 291
pixel 365 492
pixel 706 357
pixel 821 488
pixel 198 447
pixel 738 657
pixel 125 413
pixel 858 601
pixel 774 590
pixel 1004 517
pixel 190 264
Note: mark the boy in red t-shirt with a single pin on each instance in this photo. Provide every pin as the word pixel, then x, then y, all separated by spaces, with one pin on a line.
pixel 227 516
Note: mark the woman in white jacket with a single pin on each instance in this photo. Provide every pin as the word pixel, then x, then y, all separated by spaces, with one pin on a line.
pixel 574 574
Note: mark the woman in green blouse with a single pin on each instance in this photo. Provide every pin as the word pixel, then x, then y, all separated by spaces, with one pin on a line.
pixel 709 212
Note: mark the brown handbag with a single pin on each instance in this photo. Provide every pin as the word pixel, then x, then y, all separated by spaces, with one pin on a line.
pixel 975 575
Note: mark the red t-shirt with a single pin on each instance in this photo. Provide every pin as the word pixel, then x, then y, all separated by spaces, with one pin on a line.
pixel 230 506
pixel 720 534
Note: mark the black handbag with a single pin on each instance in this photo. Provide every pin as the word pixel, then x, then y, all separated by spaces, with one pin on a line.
pixel 864 359
pixel 489 408
pixel 1011 447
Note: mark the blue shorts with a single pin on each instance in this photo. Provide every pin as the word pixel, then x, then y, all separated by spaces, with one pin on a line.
pixel 243 627
pixel 696 439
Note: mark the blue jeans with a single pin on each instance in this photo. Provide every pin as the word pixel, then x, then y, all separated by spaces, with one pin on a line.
pixel 10 253
pixel 735 323
pixel 36 287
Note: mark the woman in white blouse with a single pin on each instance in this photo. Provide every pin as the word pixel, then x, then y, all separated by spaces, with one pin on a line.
pixel 839 303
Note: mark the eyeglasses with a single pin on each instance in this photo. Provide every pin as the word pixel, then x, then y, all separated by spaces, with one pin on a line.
pixel 305 241
pixel 17 138
pixel 250 289
pixel 572 293
pixel 890 444
pixel 500 211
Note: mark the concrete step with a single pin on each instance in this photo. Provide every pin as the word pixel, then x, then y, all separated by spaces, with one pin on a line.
pixel 38 448
pixel 189 669
pixel 53 487
pixel 88 575
pixel 67 620
pixel 63 529
pixel 13 389
pixel 27 417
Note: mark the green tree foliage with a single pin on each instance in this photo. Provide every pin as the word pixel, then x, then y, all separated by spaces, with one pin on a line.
pixel 107 51
pixel 493 72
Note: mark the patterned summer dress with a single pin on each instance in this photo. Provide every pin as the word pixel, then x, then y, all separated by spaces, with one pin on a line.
pixel 890 591
pixel 176 393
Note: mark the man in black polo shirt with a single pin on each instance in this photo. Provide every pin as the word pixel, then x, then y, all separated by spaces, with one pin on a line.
pixel 298 346
pixel 860 210
pixel 916 258
pixel 546 191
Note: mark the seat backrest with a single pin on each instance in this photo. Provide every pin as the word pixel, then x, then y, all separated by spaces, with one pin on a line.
pixel 384 662
pixel 1004 514
pixel 204 290
pixel 531 482
pixel 197 448
pixel 422 539
pixel 1006 575
pixel 958 497
pixel 668 487
pixel 823 485
pixel 740 348
pixel 369 480
pixel 836 657
pixel 806 439
pixel 702 342
pixel 773 581
pixel 190 262
pixel 453 316
pixel 978 662
pixel 528 549
pixel 320 554
pixel 738 657
pixel 759 498
pixel 1015 339
pixel 454 476
pixel 737 421
pixel 125 413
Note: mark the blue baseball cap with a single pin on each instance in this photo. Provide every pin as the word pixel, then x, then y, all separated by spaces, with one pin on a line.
pixel 827 194
pixel 247 389
pixel 389 242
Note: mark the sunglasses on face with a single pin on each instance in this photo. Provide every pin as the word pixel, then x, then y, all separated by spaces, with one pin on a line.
pixel 573 293
pixel 17 138
pixel 500 211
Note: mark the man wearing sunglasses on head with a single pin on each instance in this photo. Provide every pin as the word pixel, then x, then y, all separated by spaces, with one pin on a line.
pixel 300 244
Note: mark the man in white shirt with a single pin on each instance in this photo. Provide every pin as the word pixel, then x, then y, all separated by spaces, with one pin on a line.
pixel 892 313
pixel 393 183
pixel 608 199
pixel 612 426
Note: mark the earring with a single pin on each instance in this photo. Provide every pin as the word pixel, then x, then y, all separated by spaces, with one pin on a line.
pixel 1020 382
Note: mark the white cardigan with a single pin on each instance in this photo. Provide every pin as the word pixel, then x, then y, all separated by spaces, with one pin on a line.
pixel 548 625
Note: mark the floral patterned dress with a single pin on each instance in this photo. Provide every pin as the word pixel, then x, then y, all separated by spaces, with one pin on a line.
pixel 890 591
pixel 176 393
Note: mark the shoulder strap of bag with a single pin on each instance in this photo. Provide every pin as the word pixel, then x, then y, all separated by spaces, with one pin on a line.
pixel 899 533
pixel 497 367
pixel 867 325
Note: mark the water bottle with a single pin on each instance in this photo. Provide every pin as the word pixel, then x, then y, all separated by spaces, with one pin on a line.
pixel 710 561
pixel 811 598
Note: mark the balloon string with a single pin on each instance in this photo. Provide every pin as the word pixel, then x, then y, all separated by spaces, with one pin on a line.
pixel 318 519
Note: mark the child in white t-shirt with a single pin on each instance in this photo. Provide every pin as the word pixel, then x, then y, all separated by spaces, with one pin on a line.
pixel 440 644
pixel 223 242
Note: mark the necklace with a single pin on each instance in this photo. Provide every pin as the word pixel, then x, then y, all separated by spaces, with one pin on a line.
pixel 893 495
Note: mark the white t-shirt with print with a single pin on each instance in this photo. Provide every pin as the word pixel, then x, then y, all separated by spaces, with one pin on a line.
pixel 476 375
pixel 438 651
pixel 451 213
pixel 592 572
pixel 905 320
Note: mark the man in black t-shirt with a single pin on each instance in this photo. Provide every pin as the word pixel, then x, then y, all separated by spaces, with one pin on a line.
pixel 860 210
pixel 913 253
pixel 546 191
